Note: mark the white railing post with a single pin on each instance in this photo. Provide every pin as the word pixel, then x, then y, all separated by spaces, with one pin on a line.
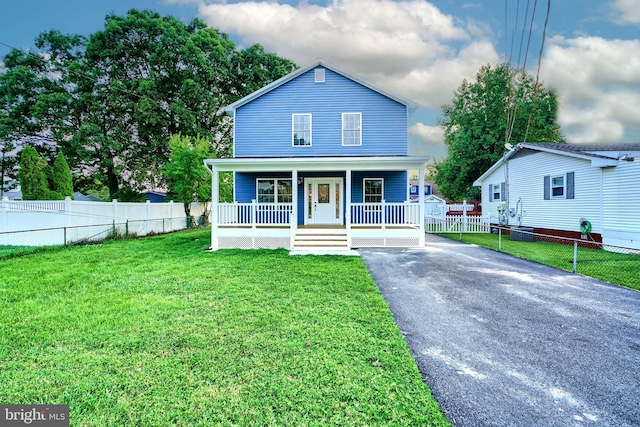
pixel 254 213
pixel 383 217
pixel 347 195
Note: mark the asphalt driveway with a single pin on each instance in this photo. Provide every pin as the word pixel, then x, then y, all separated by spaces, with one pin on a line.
pixel 507 342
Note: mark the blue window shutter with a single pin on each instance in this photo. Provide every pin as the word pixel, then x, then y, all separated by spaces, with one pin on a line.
pixel 503 196
pixel 570 185
pixel 547 187
pixel 490 189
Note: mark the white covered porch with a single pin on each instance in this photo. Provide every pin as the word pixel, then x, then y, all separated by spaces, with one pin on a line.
pixel 297 224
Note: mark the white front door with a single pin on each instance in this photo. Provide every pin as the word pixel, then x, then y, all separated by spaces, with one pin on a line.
pixel 323 201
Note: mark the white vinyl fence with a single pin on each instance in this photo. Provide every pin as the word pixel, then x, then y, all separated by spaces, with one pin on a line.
pixel 44 223
pixel 456 224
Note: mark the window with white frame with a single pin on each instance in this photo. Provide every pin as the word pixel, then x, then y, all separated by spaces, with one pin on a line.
pixel 351 128
pixel 270 190
pixel 373 190
pixel 496 193
pixel 319 75
pixel 557 186
pixel 301 130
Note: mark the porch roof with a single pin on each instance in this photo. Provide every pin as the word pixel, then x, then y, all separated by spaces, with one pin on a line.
pixel 282 164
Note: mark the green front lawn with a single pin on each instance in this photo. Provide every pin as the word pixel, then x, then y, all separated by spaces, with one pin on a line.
pixel 618 268
pixel 157 332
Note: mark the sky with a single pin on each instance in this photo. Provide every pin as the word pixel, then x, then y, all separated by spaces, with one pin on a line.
pixel 421 50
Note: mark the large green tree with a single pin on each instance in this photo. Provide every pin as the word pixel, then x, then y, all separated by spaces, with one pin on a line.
pixel 112 101
pixel 502 106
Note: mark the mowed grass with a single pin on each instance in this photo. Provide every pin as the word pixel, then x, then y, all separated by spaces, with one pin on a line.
pixel 617 268
pixel 157 332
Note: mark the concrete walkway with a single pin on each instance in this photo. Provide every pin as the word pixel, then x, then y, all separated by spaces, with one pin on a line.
pixel 507 342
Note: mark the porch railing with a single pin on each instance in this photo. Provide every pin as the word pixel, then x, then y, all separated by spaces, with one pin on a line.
pixel 383 214
pixel 255 214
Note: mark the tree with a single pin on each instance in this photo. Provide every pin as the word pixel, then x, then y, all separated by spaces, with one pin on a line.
pixel 32 175
pixel 112 101
pixel 502 106
pixel 185 173
pixel 61 181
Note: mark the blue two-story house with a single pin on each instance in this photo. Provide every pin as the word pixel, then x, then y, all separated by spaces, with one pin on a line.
pixel 320 163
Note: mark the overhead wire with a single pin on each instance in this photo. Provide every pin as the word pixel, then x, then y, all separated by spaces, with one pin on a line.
pixel 544 36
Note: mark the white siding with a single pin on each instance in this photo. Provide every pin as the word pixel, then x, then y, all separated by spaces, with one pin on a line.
pixel 621 195
pixel 526 176
pixel 490 208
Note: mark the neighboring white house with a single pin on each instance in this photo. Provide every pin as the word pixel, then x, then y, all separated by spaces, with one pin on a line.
pixel 551 187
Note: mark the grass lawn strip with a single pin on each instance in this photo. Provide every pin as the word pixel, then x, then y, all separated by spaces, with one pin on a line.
pixel 157 332
pixel 612 267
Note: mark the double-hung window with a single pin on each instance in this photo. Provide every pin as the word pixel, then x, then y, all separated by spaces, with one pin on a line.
pixel 560 186
pixel 351 128
pixel 496 194
pixel 373 190
pixel 274 190
pixel 301 130
pixel 557 186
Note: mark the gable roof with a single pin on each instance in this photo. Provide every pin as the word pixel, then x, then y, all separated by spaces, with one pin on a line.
pixel 230 109
pixel 600 155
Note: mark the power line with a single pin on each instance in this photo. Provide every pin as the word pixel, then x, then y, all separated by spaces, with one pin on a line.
pixel 544 36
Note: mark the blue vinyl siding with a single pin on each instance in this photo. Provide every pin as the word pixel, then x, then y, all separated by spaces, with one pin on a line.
pixel 395 185
pixel 263 126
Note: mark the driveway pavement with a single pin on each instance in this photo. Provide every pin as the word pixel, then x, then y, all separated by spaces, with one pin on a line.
pixel 506 342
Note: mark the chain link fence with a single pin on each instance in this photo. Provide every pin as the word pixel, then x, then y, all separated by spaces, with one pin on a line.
pixel 14 243
pixel 614 264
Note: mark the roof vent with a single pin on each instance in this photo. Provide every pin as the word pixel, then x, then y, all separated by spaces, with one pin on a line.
pixel 319 75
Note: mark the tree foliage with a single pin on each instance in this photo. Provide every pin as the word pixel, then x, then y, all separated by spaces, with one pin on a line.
pixel 185 173
pixel 112 101
pixel 502 105
pixel 61 181
pixel 32 175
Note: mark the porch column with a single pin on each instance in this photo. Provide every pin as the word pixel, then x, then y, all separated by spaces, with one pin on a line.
pixel 421 203
pixel 293 221
pixel 347 214
pixel 215 193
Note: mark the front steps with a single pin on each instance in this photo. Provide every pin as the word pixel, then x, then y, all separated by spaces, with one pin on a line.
pixel 321 241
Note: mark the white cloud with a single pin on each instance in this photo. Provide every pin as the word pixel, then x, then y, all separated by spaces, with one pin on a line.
pixel 599 86
pixel 626 11
pixel 428 141
pixel 409 47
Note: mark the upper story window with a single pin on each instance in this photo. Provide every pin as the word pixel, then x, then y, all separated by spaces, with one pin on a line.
pixel 301 129
pixel 319 75
pixel 373 190
pixel 272 190
pixel 351 128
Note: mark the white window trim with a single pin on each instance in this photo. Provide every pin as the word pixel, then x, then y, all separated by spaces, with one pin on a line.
pixel 364 189
pixel 319 75
pixel 493 192
pixel 293 130
pixel 564 186
pixel 343 129
pixel 275 190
